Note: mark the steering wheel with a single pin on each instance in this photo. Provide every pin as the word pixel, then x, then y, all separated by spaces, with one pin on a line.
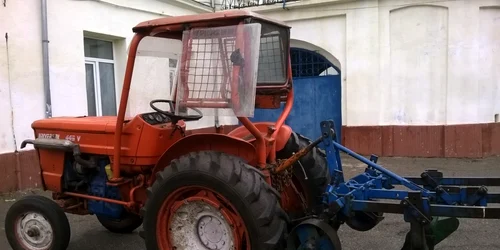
pixel 175 118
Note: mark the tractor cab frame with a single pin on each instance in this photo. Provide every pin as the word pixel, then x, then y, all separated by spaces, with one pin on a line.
pixel 273 79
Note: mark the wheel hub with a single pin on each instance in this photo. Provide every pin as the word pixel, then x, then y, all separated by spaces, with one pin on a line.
pixel 211 232
pixel 34 231
pixel 197 225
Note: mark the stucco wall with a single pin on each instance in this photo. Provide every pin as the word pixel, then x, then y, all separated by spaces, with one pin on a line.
pixel 21 89
pixel 407 62
pixel 21 77
pixel 425 64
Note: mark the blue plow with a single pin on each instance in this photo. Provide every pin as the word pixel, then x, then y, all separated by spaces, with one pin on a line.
pixel 431 203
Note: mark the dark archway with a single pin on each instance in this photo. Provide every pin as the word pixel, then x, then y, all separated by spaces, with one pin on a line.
pixel 307 63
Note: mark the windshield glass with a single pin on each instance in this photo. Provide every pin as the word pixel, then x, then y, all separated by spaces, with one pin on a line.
pixel 273 54
pixel 154 74
pixel 218 72
pixel 157 67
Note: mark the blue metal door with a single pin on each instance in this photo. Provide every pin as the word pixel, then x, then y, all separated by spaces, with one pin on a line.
pixel 317 95
pixel 315 99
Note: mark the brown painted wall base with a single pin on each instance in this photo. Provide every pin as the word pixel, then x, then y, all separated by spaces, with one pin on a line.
pixel 19 170
pixel 458 141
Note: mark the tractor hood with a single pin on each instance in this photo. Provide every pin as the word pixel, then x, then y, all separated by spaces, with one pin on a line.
pixel 80 124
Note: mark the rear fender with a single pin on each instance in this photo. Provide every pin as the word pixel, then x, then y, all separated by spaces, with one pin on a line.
pixel 200 142
pixel 281 139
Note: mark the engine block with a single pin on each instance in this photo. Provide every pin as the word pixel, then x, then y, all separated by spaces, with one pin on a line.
pixel 97 186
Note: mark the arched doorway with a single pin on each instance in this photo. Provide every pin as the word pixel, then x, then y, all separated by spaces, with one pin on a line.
pixel 317 95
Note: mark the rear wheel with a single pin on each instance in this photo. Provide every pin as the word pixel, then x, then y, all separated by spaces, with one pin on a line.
pixel 209 200
pixel 313 166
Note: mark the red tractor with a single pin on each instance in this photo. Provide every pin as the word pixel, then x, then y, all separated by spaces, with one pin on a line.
pixel 236 190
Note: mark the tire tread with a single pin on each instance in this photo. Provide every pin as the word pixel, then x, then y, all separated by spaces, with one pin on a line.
pixel 50 209
pixel 260 199
pixel 315 166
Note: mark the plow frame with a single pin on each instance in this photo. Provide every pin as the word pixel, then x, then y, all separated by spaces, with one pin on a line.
pixel 425 199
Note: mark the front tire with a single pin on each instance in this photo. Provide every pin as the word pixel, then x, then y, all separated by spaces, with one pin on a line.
pixel 37 222
pixel 215 201
pixel 127 224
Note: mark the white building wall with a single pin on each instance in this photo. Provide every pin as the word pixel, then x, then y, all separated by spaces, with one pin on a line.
pixel 21 76
pixel 413 62
pixel 418 63
pixel 406 62
pixel 21 88
pixel 488 66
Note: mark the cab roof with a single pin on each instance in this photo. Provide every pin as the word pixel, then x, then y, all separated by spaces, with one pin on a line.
pixel 177 22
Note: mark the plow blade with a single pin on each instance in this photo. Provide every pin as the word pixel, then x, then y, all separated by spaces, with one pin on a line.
pixel 435 232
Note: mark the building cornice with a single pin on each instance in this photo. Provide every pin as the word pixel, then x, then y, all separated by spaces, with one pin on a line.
pixel 297 4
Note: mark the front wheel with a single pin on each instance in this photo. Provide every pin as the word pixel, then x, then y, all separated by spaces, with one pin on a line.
pixel 37 223
pixel 210 200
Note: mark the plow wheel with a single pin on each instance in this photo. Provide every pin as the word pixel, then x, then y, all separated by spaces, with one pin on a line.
pixel 313 234
pixel 315 167
pixel 364 221
pixel 209 200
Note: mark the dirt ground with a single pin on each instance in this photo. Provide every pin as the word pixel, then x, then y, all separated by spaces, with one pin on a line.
pixel 473 234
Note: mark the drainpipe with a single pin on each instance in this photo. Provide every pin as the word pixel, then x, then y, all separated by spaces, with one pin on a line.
pixel 45 56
